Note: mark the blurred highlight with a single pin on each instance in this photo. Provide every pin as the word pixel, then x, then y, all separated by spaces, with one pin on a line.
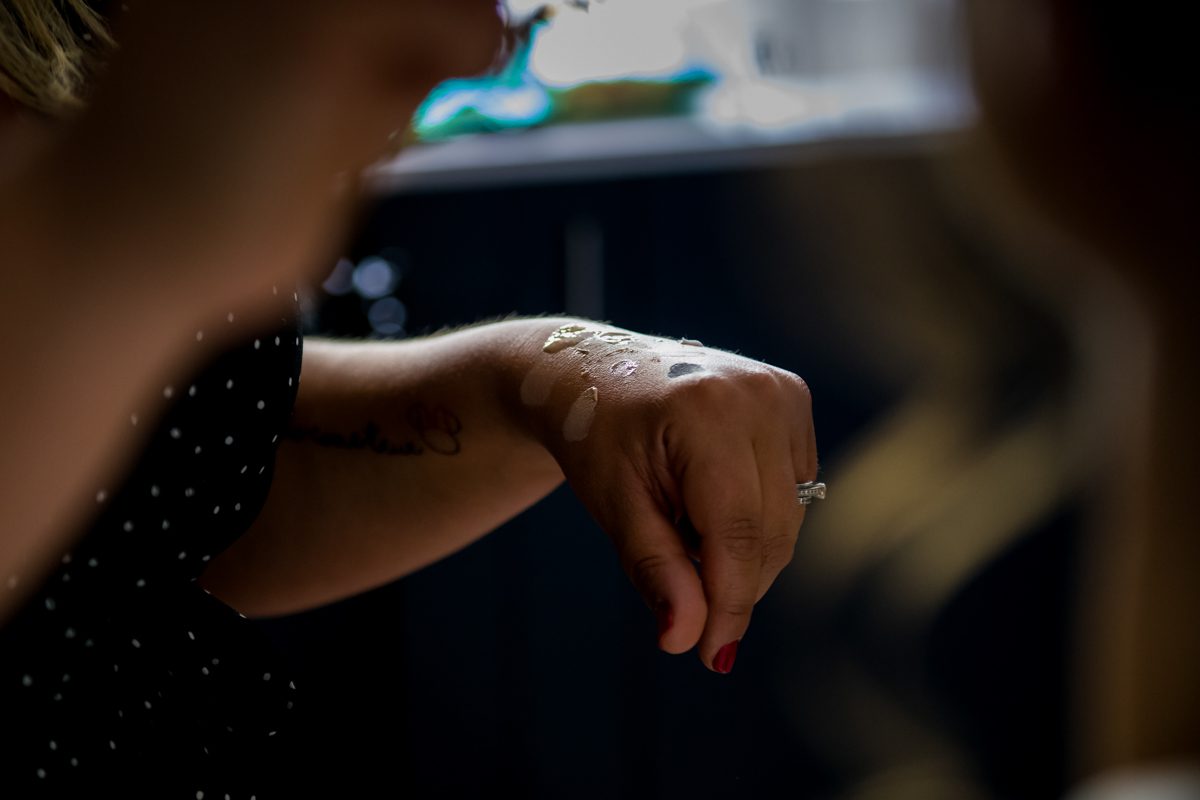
pixel 770 65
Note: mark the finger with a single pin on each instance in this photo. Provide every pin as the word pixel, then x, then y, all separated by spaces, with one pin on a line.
pixel 804 443
pixel 804 439
pixel 781 474
pixel 782 514
pixel 655 560
pixel 723 498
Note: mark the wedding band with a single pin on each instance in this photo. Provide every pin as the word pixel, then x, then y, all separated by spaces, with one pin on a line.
pixel 807 492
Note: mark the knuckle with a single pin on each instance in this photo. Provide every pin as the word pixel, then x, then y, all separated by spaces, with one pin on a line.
pixel 798 383
pixel 759 384
pixel 799 389
pixel 703 391
pixel 766 386
pixel 644 570
pixel 737 608
pixel 741 540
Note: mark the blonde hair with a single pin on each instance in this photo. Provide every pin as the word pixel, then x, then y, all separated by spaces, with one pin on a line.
pixel 48 51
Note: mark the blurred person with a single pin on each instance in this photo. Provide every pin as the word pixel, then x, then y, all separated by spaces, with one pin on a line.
pixel 176 457
pixel 942 563
pixel 1091 108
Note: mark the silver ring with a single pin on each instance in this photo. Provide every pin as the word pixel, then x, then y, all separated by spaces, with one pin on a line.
pixel 807 492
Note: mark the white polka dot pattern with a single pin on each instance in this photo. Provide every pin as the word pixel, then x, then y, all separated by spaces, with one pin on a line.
pixel 120 669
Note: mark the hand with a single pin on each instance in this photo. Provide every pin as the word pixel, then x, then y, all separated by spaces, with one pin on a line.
pixel 681 452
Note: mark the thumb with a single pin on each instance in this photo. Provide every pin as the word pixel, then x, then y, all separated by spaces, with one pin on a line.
pixel 656 561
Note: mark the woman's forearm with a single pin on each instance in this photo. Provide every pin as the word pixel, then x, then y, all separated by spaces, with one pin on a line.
pixel 399 454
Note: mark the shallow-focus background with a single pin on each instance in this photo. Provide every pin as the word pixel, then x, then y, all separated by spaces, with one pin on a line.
pixel 795 180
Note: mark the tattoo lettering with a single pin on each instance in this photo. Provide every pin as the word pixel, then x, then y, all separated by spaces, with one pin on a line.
pixel 437 430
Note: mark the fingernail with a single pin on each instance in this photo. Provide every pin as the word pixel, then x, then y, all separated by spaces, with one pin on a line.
pixel 723 662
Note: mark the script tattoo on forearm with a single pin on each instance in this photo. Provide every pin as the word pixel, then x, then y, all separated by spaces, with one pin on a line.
pixel 435 429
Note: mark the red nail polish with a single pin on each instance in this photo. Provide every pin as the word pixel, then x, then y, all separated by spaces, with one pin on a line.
pixel 723 662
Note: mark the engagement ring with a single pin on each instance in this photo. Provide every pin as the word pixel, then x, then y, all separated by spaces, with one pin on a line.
pixel 807 492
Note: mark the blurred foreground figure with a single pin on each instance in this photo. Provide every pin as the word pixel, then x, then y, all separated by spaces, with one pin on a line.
pixel 1026 293
pixel 1092 105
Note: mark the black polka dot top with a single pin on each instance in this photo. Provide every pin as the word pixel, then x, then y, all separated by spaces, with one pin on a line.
pixel 121 672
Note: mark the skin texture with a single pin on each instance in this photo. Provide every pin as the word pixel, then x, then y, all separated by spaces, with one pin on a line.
pixel 396 448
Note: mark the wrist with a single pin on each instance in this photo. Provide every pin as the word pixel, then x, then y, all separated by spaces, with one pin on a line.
pixel 560 368
pixel 533 383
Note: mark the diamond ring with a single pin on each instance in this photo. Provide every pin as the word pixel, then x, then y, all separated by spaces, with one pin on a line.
pixel 807 492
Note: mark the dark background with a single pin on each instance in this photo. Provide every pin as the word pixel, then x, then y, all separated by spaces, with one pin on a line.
pixel 526 664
